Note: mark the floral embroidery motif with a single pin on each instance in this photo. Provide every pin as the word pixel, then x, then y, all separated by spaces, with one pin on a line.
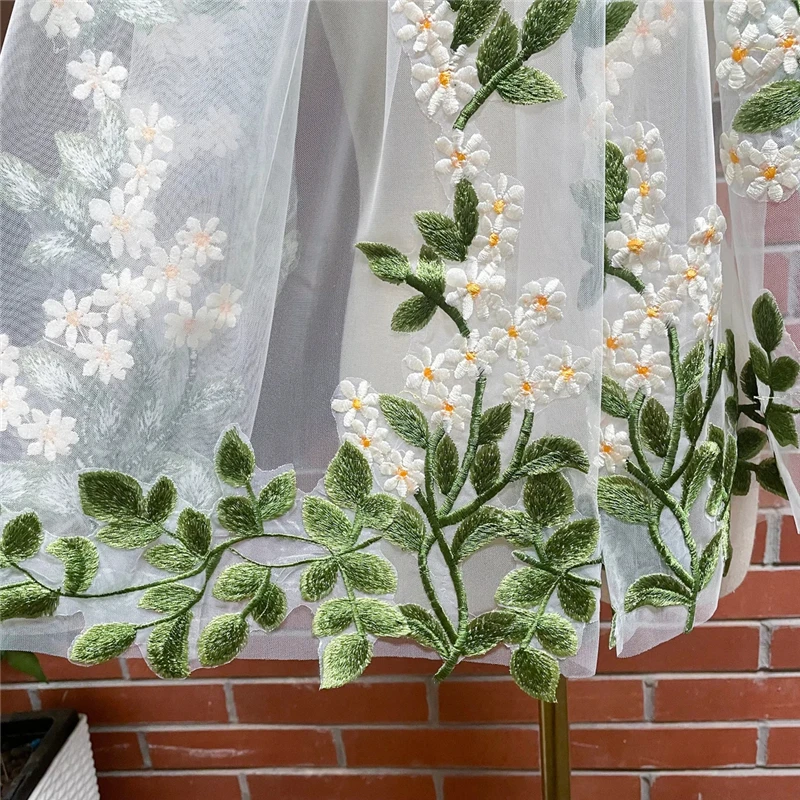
pixel 62 16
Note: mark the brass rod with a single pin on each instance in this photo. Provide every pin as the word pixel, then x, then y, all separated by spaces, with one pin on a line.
pixel 554 746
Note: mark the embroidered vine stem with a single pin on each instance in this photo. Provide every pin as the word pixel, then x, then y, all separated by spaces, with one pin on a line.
pixel 677 412
pixel 485 92
pixel 436 297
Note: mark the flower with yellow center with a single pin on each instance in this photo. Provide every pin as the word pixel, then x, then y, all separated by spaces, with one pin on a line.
pixel 357 402
pixel 425 370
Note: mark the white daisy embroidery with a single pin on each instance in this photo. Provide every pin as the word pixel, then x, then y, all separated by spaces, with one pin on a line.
pixel 614 449
pixel 705 320
pixel 735 64
pixel 463 157
pixel 354 400
pixel 107 358
pixel 645 193
pixel 70 316
pixel 368 438
pixel 429 23
pixel 527 387
pixel 645 30
pixel 474 288
pixel 62 16
pixel 405 471
pixel 12 403
pixel 171 273
pixel 8 357
pixel 543 300
pixel 515 332
pixel 651 312
pixel 189 328
pixel 708 230
pixel 495 240
pixel 639 244
pixel 785 50
pixel 738 8
pixel 142 172
pixel 615 340
pixel 643 150
pixel 150 128
pixel 126 297
pixel 567 374
pixel 202 242
pixel 124 226
pixel 445 84
pixel 470 356
pixel 772 173
pixel 616 69
pixel 500 200
pixel 224 306
pixel 52 435
pixel 451 407
pixel 99 78
pixel 426 371
pixel 731 155
pixel 645 370
pixel 220 131
pixel 689 278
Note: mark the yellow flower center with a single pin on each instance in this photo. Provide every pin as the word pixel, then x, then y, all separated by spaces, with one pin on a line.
pixel 641 155
pixel 148 133
pixel 470 355
pixel 104 355
pixel 171 272
pixel 428 373
pixel 636 245
pixel 709 235
pixel 667 11
pixel 402 472
pixel 652 311
pixel 448 407
pixel 770 172
pixel 122 224
pixel 499 205
pixel 473 288
pixel 644 188
pixel 734 156
pixel 643 370
pixel 690 274
pixel 458 157
pixel 73 318
pixel 444 78
pixel 425 23
pixel 526 387
pixel 612 343
pixel 356 403
pixel 366 442
pixel 606 448
pixel 710 317
pixel 739 53
pixel 788 42
pixel 141 170
pixel 494 239
pixel 202 239
pixel 567 372
pixel 541 301
pixel 513 333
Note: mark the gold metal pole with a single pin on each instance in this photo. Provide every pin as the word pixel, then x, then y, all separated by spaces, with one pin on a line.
pixel 554 746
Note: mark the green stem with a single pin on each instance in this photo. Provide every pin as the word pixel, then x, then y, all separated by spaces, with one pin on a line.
pixel 438 298
pixel 626 275
pixel 677 412
pixel 430 591
pixel 259 595
pixel 485 92
pixel 351 596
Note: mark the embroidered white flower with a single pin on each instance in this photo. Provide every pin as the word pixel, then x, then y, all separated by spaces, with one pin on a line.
pixel 142 172
pixel 645 29
pixel 645 370
pixel 429 23
pixel 667 12
pixel 444 83
pixel 62 16
pixel 150 128
pixel 189 328
pixel 615 340
pixel 224 307
pixel 451 407
pixel 527 387
pixel 470 356
pixel 8 357
pixel 732 154
pixel 738 8
pixel 640 244
pixel 651 312
pixel 515 332
pixel 500 201
pixel 198 37
pixel 202 242
pixel 126 297
pixel 689 278
pixel 614 449
pixel 772 173
pixel 463 158
pixel 474 288
pixel 369 439
pixel 51 435
pixel 643 150
pixel 785 50
pixel 426 370
pixel 99 78
pixel 220 132
pixel 12 403
pixel 70 316
pixel 708 230
pixel 645 193
pixel 705 320
pixel 616 69
pixel 171 273
pixel 567 374
pixel 406 472
pixel 355 400
pixel 542 300
pixel 735 64
pixel 107 358
pixel 124 226
pixel 495 241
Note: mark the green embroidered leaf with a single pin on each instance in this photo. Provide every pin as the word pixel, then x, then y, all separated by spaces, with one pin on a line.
pixel 693 366
pixel 369 573
pixel 237 514
pixel 473 20
pixel 771 107
pixel 498 48
pixel 708 561
pixel 495 422
pixel 82 160
pixel 478 530
pixel 168 648
pixel 129 534
pixel 780 421
pixel 22 537
pixel 386 262
pixel 548 499
pixel 80 559
pixel 446 463
pixel 239 582
pixel 613 399
pixel 319 579
pixel 109 496
pixel 234 460
pixel 326 524
pixel 278 496
pixel 698 471
pixel 656 590
pixel 413 314
pixel 783 373
pixel 577 599
pixel 525 587
pixel 381 618
pixel 430 270
pixel 161 499
pixel 486 467
pixel 750 442
pixel 741 479
pixel 693 414
pixel 24 662
pixel 616 181
pixel 27 600
pixel 535 672
pixel 170 558
pixel 222 640
pixel 102 643
pixel 425 629
pixel 552 453
pixel 769 477
pixel 747 381
pixel 333 617
pixel 344 659
pixel 717 435
pixel 488 630
pixel 405 419
pixel 556 635
pixel 169 598
pixel 655 427
pixel 624 499
pixel 378 511
pixel 465 211
pixel 617 15
pixel 520 530
pixel 111 137
pixel 759 363
pixel 22 187
pixel 442 234
pixel 573 544
pixel 767 317
pixel 407 529
pixel 194 531
pixel 527 86
pixel 270 608
pixel 144 13
pixel 348 480
pixel 545 22
pixel 50 249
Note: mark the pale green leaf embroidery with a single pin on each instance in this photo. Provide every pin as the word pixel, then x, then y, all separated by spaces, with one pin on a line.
pixel 278 496
pixel 22 537
pixel 222 640
pixel 22 187
pixel 618 14
pixel 344 659
pixel 771 107
pixel 168 647
pixel 102 642
pixel 81 561
pixel 536 673
pixel 235 461
pixel 348 479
